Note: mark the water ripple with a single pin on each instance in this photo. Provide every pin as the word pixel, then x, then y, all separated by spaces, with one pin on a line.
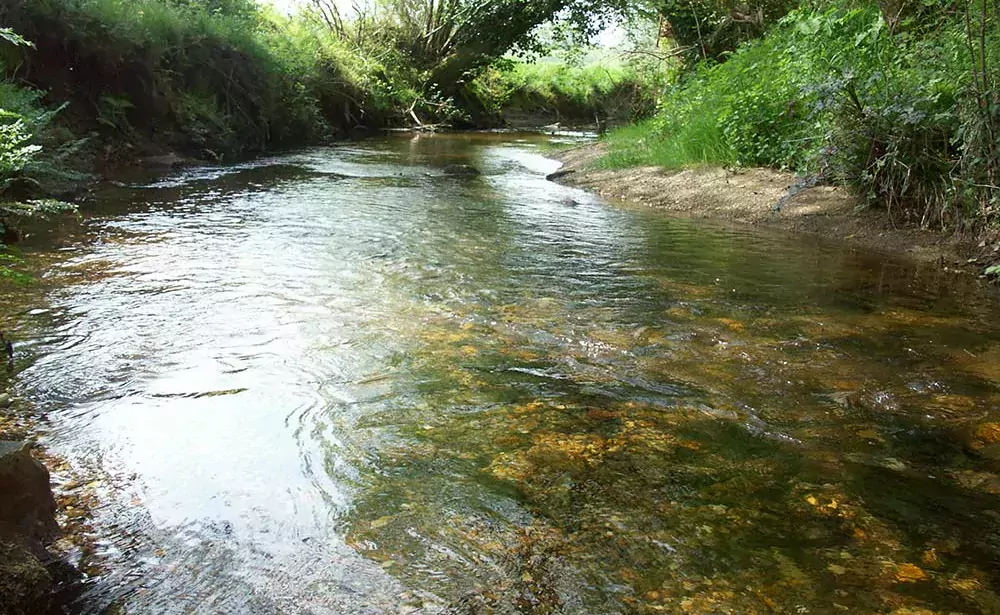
pixel 341 381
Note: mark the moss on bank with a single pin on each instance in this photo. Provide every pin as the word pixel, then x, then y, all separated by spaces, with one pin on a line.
pixel 25 585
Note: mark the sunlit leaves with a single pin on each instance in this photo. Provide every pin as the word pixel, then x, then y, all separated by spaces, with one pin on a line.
pixel 8 35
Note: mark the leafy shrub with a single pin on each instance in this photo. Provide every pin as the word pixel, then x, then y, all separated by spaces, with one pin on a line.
pixel 758 128
pixel 16 150
pixel 906 110
pixel 905 129
pixel 760 107
pixel 255 75
pixel 10 37
pixel 895 149
pixel 606 87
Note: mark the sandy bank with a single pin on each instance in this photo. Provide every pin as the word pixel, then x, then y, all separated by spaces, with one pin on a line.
pixel 770 198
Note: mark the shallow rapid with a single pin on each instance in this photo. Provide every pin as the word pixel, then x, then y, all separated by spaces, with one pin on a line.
pixel 349 380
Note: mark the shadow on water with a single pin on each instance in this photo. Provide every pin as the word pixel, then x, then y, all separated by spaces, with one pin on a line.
pixel 349 380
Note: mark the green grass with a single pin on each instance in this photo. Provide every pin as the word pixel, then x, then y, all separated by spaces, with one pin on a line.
pixel 554 80
pixel 698 142
pixel 606 86
pixel 754 109
pixel 832 90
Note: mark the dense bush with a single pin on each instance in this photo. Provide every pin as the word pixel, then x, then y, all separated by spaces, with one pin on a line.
pixel 904 110
pixel 710 29
pixel 228 78
pixel 761 107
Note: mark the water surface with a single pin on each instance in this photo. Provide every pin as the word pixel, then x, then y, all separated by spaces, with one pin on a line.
pixel 342 381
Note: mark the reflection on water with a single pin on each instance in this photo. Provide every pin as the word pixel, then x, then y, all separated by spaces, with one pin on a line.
pixel 344 381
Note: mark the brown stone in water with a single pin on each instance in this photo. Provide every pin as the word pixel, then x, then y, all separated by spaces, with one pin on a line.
pixel 986 435
pixel 27 509
pixel 170 160
pixel 27 524
pixel 983 440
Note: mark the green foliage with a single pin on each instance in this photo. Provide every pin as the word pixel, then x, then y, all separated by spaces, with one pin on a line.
pixel 35 208
pixel 444 42
pixel 232 8
pixel 23 120
pixel 606 87
pixel 436 49
pixel 711 29
pixel 906 111
pixel 910 126
pixel 23 101
pixel 753 109
pixel 227 76
pixel 978 180
pixel 112 111
pixel 31 145
pixel 9 36
pixel 699 141
pixel 8 262
pixel 220 75
pixel 16 150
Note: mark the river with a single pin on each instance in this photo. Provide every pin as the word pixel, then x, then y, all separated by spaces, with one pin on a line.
pixel 343 380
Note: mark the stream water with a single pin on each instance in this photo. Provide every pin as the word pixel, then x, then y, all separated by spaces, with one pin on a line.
pixel 342 380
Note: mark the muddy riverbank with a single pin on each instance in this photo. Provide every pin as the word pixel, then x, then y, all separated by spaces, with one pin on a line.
pixel 776 199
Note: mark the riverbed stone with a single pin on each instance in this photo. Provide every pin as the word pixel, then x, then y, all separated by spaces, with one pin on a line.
pixel 986 434
pixel 27 524
pixel 461 170
pixel 170 160
pixel 552 177
pixel 23 189
pixel 983 440
pixel 27 508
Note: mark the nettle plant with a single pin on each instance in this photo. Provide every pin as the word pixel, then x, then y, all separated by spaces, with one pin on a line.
pixel 16 149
